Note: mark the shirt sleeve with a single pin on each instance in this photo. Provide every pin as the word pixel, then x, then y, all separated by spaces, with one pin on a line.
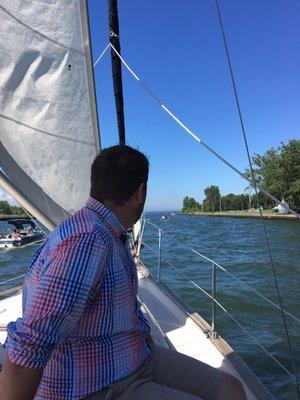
pixel 69 276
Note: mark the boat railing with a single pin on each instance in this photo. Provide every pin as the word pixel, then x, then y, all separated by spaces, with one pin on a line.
pixel 215 266
pixel 5 291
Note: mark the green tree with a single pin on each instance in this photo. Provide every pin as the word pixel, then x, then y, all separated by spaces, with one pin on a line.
pixel 190 205
pixel 4 207
pixel 15 210
pixel 232 202
pixel 278 171
pixel 212 198
pixel 290 166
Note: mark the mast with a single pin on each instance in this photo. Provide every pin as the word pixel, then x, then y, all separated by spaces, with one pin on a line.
pixel 116 67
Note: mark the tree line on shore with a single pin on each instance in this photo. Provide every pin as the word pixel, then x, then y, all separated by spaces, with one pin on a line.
pixel 277 171
pixel 231 202
pixel 8 209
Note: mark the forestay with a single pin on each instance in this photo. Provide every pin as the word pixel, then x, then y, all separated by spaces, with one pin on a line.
pixel 48 118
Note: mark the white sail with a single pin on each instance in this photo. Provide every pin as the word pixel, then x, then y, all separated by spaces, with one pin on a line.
pixel 48 120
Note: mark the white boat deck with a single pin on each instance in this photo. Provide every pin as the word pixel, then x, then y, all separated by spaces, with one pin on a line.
pixel 10 310
pixel 173 326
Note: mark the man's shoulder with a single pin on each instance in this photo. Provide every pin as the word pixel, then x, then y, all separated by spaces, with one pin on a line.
pixel 83 224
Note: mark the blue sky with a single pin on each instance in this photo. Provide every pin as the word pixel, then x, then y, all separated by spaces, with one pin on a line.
pixel 177 49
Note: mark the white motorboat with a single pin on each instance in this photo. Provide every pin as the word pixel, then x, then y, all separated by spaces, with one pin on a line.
pixel 22 232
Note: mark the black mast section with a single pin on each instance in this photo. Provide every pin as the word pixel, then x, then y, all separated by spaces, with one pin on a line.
pixel 116 67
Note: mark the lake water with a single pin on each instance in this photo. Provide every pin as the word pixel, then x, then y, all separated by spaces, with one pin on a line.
pixel 239 246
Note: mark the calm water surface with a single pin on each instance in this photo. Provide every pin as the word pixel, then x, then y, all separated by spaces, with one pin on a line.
pixel 238 245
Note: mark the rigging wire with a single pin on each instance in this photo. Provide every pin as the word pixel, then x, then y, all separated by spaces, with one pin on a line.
pixel 250 180
pixel 256 192
pixel 195 137
pixel 101 55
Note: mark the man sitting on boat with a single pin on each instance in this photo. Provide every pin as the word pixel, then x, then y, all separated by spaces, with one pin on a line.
pixel 82 334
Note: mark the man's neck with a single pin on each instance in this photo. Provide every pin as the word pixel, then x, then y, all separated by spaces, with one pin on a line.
pixel 123 213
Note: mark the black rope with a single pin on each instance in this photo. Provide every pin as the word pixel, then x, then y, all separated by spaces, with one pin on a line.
pixel 256 192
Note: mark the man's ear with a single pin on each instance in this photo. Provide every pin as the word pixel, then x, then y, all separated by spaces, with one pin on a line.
pixel 141 192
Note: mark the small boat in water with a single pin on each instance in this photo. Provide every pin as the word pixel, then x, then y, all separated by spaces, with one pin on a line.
pixel 24 231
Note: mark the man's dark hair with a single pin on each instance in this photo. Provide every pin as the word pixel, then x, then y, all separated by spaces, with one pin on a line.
pixel 117 172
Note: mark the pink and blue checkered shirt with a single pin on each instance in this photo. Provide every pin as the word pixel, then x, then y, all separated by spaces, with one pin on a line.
pixel 81 319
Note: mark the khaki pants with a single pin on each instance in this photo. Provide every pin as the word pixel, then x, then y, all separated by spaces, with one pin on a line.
pixel 168 375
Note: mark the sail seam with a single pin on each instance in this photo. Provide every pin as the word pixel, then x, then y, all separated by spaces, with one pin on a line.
pixel 41 34
pixel 45 132
pixel 64 180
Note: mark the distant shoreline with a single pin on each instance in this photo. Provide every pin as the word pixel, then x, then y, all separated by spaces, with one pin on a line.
pixel 8 217
pixel 234 214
